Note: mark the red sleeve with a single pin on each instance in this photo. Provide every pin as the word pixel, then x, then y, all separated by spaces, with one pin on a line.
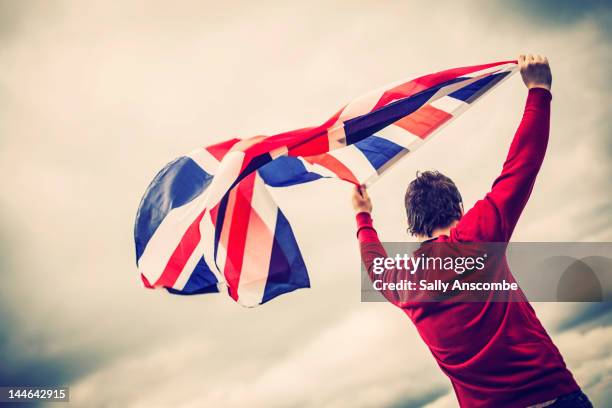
pixel 365 228
pixel 371 248
pixel 493 218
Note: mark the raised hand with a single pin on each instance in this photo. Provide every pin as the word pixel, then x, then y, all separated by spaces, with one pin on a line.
pixel 535 71
pixel 361 200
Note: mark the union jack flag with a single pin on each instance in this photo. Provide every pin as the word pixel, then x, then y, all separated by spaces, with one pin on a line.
pixel 208 222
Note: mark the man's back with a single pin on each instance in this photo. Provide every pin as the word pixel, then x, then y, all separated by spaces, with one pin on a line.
pixel 496 353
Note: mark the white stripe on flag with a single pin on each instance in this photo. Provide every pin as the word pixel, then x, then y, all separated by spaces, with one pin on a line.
pixel 278 152
pixel 398 135
pixel 205 160
pixel 227 173
pixel 497 68
pixel 189 267
pixel 450 105
pixel 166 238
pixel 448 89
pixel 362 105
pixel 208 230
pixel 258 246
pixel 263 203
pixel 355 160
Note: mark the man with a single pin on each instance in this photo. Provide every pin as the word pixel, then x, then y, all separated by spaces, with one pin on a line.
pixel 496 354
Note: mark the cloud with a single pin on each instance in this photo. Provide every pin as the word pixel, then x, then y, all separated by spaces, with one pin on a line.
pixel 592 364
pixel 564 12
pixel 361 355
pixel 369 358
pixel 96 97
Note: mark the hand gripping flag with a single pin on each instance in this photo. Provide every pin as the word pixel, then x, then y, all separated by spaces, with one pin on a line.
pixel 207 222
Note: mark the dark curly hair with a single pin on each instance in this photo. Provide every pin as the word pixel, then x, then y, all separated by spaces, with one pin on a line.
pixel 432 201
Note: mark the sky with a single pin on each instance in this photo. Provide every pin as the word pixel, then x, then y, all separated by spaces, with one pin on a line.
pixel 96 96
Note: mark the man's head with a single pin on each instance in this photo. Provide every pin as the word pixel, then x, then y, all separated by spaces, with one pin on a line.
pixel 432 202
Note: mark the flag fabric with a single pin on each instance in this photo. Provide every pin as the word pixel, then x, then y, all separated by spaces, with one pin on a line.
pixel 208 222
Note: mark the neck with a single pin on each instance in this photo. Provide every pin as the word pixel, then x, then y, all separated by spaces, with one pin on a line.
pixel 439 231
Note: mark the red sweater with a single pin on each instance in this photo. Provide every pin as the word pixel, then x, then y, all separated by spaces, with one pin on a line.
pixel 496 354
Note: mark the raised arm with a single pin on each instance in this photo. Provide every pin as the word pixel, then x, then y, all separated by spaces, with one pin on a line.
pixel 371 247
pixel 494 217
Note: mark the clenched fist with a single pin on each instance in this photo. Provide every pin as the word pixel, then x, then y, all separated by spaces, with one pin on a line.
pixel 361 200
pixel 535 71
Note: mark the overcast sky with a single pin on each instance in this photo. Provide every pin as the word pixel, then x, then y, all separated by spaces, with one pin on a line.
pixel 96 96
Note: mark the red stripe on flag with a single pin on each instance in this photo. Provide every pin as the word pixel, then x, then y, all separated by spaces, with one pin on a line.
pixel 257 256
pixel 219 150
pixel 336 166
pixel 303 142
pixel 424 121
pixel 181 254
pixel 238 224
pixel 427 81
pixel 313 146
pixel 227 219
pixel 145 281
pixel 213 215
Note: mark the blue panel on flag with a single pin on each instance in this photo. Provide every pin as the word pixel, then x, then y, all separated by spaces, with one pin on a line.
pixel 472 91
pixel 202 280
pixel 378 150
pixel 366 125
pixel 287 271
pixel 286 171
pixel 177 184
